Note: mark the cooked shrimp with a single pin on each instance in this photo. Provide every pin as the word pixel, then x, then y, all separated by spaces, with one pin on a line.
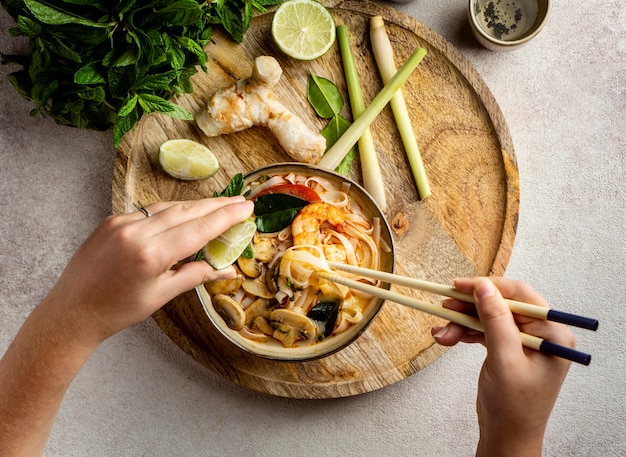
pixel 335 253
pixel 306 226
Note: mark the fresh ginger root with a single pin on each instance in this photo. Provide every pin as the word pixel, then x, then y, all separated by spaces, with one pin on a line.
pixel 252 102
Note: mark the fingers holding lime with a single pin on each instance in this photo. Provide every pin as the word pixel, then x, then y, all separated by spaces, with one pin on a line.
pixel 225 249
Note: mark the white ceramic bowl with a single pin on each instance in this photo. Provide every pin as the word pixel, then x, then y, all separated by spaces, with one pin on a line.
pixel 332 343
pixel 506 25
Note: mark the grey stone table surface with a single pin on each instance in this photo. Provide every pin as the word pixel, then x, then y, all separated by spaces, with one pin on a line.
pixel 564 99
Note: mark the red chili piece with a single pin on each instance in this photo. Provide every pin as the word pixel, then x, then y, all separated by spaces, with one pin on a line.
pixel 295 190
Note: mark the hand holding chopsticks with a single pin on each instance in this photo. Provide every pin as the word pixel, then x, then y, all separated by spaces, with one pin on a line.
pixel 461 318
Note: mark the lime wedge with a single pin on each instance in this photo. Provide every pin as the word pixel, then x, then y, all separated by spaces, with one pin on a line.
pixel 303 29
pixel 187 159
pixel 226 248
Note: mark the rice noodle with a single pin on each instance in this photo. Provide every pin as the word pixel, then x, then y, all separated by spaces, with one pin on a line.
pixel 336 198
pixel 349 248
pixel 319 184
pixel 274 180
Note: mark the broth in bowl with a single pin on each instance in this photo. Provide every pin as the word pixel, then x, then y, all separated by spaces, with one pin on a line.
pixel 278 307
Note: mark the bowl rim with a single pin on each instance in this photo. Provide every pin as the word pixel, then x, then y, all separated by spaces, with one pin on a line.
pixel 538 27
pixel 319 349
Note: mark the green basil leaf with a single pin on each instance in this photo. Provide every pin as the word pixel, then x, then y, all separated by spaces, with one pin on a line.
pixel 124 6
pixel 95 94
pixel 178 112
pixel 268 2
pixel 129 106
pixel 183 82
pixel 248 252
pixel 120 80
pixel 129 57
pixel 151 103
pixel 231 19
pixel 173 52
pixel 274 212
pixel 275 222
pixel 79 120
pixel 53 16
pixel 156 81
pixel 58 47
pixel 181 12
pixel 123 125
pixel 21 82
pixel 194 48
pixel 100 5
pixel 42 91
pixel 235 186
pixel 28 27
pixel 39 62
pixel 89 74
pixel 324 96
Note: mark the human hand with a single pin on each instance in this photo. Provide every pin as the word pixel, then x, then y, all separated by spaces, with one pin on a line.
pixel 517 387
pixel 123 271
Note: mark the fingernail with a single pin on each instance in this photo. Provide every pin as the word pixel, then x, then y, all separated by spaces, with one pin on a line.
pixel 440 333
pixel 227 273
pixel 483 288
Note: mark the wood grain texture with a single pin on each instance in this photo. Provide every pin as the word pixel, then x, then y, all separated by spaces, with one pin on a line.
pixel 466 227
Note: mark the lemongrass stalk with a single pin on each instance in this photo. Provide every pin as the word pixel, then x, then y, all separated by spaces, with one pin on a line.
pixel 372 177
pixel 383 54
pixel 337 152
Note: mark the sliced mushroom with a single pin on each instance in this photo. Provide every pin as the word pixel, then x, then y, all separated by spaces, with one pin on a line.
pixel 262 324
pixel 258 308
pixel 291 326
pixel 224 286
pixel 287 337
pixel 252 268
pixel 231 311
pixel 257 287
pixel 271 275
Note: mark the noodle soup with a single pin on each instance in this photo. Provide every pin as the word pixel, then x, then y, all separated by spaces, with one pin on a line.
pixel 277 307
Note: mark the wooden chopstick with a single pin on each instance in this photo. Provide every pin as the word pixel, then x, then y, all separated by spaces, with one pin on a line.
pixel 518 307
pixel 529 341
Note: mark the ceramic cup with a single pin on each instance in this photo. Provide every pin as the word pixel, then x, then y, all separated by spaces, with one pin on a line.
pixel 506 25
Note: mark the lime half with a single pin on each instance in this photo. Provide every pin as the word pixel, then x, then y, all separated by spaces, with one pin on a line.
pixel 226 248
pixel 303 29
pixel 187 159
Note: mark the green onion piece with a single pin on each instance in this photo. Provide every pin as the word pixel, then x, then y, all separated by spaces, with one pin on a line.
pixel 333 156
pixel 372 177
pixel 383 53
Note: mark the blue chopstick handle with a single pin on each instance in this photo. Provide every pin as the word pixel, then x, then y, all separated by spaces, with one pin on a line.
pixel 564 352
pixel 572 319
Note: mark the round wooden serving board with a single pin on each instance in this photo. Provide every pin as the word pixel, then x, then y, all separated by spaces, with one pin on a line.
pixel 466 227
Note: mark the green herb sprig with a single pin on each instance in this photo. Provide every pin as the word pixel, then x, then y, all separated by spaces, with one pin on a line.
pixel 95 63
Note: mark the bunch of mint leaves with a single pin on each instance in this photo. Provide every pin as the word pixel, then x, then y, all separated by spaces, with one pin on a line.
pixel 98 63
